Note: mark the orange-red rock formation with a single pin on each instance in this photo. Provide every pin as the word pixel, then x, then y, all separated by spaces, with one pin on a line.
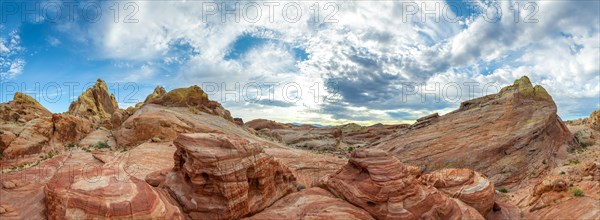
pixel 381 185
pixel 466 185
pixel 105 192
pixel 44 134
pixel 193 97
pixel 223 176
pixel 96 103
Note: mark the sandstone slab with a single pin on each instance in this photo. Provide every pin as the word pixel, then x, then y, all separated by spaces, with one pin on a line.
pixel 105 193
pixel 312 203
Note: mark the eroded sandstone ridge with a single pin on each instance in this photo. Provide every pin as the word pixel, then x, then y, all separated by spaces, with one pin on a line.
pixel 506 136
pixel 225 177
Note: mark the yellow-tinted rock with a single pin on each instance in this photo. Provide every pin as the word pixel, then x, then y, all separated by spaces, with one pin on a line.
pixel 96 102
pixel 22 108
pixel 192 96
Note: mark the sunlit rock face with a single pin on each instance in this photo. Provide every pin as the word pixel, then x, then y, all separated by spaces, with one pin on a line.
pixel 505 136
pixel 96 103
pixel 193 97
pixel 22 108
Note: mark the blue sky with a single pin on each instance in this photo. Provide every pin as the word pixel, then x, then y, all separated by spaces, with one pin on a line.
pixel 361 61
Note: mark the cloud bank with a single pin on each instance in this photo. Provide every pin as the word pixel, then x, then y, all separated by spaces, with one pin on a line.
pixel 340 61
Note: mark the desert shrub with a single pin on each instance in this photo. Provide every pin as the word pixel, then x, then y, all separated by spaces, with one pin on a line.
pixel 577 192
pixel 503 190
pixel 350 149
pixel 102 144
pixel 51 154
pixel 71 145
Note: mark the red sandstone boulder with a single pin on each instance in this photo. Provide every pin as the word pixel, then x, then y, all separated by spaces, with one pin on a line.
pixel 381 185
pixel 67 128
pixel 118 117
pixel 157 178
pixel 225 177
pixel 105 193
pixel 35 135
pixel 466 185
pixel 6 137
pixel 550 184
pixel 42 134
